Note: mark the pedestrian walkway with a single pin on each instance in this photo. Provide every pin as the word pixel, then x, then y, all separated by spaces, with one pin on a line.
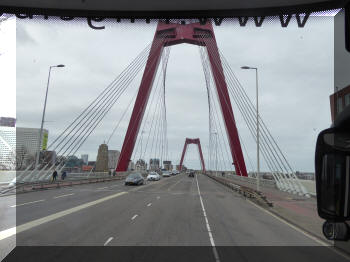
pixel 298 210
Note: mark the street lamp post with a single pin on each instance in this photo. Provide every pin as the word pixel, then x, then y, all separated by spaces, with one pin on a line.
pixel 43 117
pixel 257 128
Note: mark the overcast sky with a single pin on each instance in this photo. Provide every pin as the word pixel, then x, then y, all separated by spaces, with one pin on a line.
pixel 295 79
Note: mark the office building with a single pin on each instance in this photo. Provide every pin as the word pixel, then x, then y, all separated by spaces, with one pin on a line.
pixel 141 165
pixel 8 121
pixel 113 157
pixel 19 146
pixel 167 165
pixel 154 164
pixel 85 159
pixel 7 148
pixel 102 159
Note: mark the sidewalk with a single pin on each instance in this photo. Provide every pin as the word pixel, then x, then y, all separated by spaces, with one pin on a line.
pixel 298 210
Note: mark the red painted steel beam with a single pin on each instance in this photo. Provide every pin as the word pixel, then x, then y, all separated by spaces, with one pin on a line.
pixel 183 153
pixel 140 104
pixel 173 34
pixel 226 108
pixel 197 142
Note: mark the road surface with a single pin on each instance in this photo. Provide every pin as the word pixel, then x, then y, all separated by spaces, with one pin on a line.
pixel 175 211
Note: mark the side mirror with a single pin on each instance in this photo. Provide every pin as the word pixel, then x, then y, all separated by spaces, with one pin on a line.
pixel 332 164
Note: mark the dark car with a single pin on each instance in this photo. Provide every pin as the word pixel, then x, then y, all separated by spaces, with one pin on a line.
pixel 134 179
pixel 191 174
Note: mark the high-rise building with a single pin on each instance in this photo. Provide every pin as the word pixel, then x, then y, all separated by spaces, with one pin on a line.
pixel 85 158
pixel 19 146
pixel 102 159
pixel 167 165
pixel 7 147
pixel 28 139
pixel 131 165
pixel 141 165
pixel 154 164
pixel 113 157
pixel 8 121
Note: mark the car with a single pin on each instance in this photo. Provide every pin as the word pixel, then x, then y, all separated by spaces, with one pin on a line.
pixel 191 174
pixel 134 179
pixel 166 174
pixel 153 176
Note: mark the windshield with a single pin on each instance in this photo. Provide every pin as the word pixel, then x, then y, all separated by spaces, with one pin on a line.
pixel 235 105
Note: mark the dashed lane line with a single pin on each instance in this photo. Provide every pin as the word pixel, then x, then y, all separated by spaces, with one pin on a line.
pixel 108 240
pixel 32 202
pixel 63 195
pixel 212 242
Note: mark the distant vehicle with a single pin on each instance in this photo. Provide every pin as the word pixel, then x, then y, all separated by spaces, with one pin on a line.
pixel 134 179
pixel 191 174
pixel 153 176
pixel 166 174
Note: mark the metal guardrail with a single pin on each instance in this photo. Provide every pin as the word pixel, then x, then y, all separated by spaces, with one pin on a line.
pixel 243 190
pixel 70 180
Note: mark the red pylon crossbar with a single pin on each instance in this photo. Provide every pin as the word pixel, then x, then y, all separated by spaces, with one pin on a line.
pixel 173 34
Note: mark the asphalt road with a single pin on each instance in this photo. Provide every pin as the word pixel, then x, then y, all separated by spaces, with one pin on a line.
pixel 176 211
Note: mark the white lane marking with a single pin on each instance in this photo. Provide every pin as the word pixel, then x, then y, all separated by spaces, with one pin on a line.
pixel 102 187
pixel 64 195
pixel 7 233
pixel 212 242
pixel 135 216
pixel 41 200
pixel 149 204
pixel 108 240
pixel 12 231
pixel 323 243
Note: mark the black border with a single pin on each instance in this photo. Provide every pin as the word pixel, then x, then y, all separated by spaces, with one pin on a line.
pixel 265 11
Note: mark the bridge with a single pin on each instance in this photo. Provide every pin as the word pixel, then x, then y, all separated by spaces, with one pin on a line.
pixel 219 206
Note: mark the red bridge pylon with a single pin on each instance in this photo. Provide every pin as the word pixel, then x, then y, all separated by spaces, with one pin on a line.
pixel 197 142
pixel 173 34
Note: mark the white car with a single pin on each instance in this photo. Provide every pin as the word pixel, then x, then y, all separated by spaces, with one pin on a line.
pixel 166 173
pixel 153 176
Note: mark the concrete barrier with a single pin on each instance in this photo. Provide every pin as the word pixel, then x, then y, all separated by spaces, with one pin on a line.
pixel 310 185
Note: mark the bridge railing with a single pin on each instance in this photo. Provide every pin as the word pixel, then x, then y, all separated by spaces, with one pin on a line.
pixel 245 191
pixel 250 180
pixel 71 179
pixel 264 183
